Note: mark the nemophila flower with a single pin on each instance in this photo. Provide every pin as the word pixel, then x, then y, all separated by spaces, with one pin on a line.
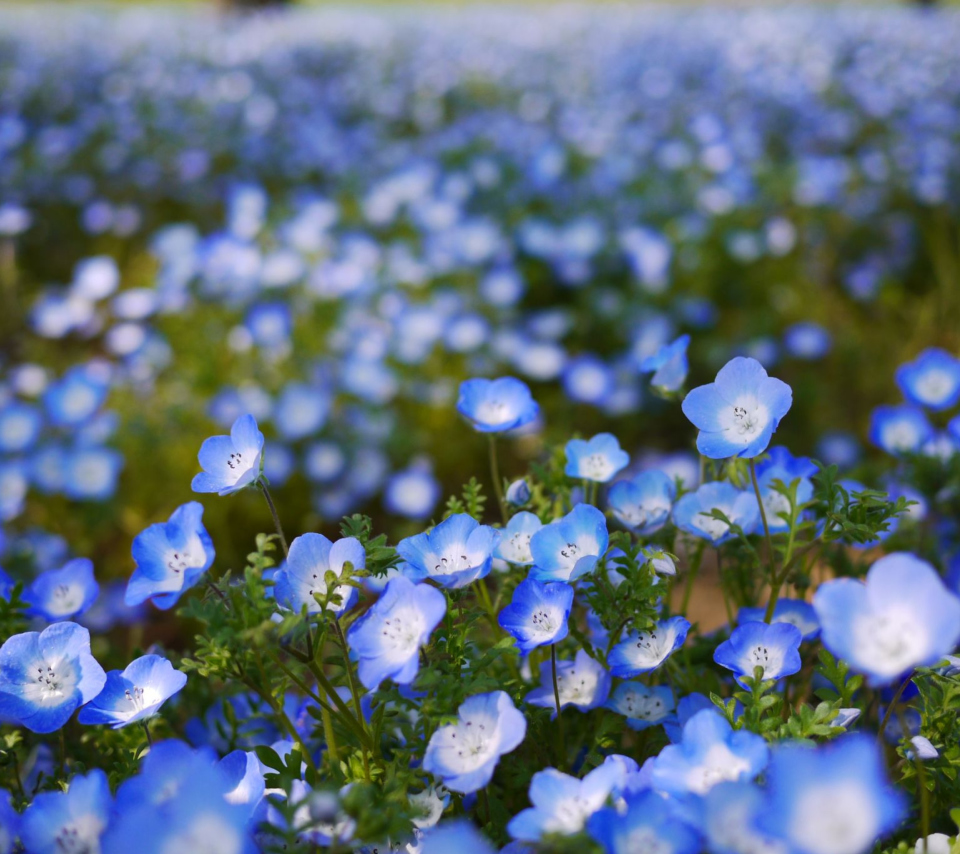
pixel 570 547
pixel 538 613
pixel 244 775
pixel 598 459
pixel 796 612
pixel 648 823
pixel 20 425
pixel 318 817
pixel 412 493
pixel 844 718
pixel 464 755
pixel 90 473
pixel 455 836
pixel 495 406
pixel 931 380
pixel 641 652
pixel 514 544
pixel 710 752
pixel 900 429
pixel 518 493
pixel 13 490
pixel 643 503
pixel 774 648
pixel 45 676
pixel 692 512
pixel 901 617
pixel 60 594
pixel 74 820
pixel 9 823
pixel 304 575
pixel 781 465
pixel 170 558
pixel 641 705
pixel 232 462
pixel 135 693
pixel 561 803
pixel 832 799
pixel 922 749
pixel 77 395
pixel 454 554
pixel 807 340
pixel 387 639
pixel 669 365
pixel 584 684
pixel 687 707
pixel 738 412
pixel 728 817
pixel 935 843
pixel 661 562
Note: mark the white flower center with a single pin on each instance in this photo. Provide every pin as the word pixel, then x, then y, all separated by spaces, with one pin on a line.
pixel 934 386
pixel 900 436
pixel 451 563
pixel 714 528
pixel 569 816
pixel 596 467
pixel 645 840
pixel 65 599
pixel 545 622
pixel 189 556
pixel 890 643
pixel 762 656
pixel 719 765
pixel 644 707
pixel 401 631
pixel 576 686
pixel 80 836
pixel 141 698
pixel 518 548
pixel 208 833
pixel 775 503
pixel 833 818
pixel 50 683
pixel 475 743
pixel 745 419
pixel 493 412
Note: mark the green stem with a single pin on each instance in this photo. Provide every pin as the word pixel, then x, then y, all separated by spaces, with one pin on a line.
pixel 691 577
pixel 561 747
pixel 893 703
pixel 329 736
pixel 775 583
pixel 273 512
pixel 338 702
pixel 723 590
pixel 924 801
pixel 146 732
pixel 354 692
pixel 495 474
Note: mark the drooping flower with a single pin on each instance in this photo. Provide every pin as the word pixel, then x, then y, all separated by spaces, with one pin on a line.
pixel 900 429
pixel 570 547
pixel 464 755
pixel 643 503
pixel 641 705
pixel 134 694
pixel 738 412
pixel 931 380
pixel 641 652
pixel 583 683
pixel 73 820
pixel 538 613
pixel 646 823
pixel 45 676
pixel 518 493
pixel 598 459
pixel 170 558
pixel 232 462
pixel 454 554
pixel 796 612
pixel 692 512
pixel 387 639
pixel 661 562
pixel 774 648
pixel 669 365
pixel 311 557
pixel 495 406
pixel 514 544
pixel 61 594
pixel 902 616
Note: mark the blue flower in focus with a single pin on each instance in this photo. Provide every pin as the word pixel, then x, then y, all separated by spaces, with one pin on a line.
pixel 454 554
pixel 134 694
pixel 738 412
pixel 20 425
pixel 641 652
pixel 570 547
pixel 459 836
pixel 538 613
pixel 495 406
pixel 641 705
pixel 643 503
pixel 796 612
pixel 464 755
pixel 831 799
pixel 387 639
pixel 692 512
pixel 583 683
pixel 647 823
pixel 598 459
pixel 74 820
pixel 781 465
pixel 774 648
pixel 60 594
pixel 931 380
pixel 304 574
pixel 902 616
pixel 232 462
pixel 170 558
pixel 900 429
pixel 669 365
pixel 515 538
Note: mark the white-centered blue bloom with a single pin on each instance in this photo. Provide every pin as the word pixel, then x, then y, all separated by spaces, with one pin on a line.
pixel 570 547
pixel 20 425
pixel 90 473
pixel 135 693
pixel 45 676
pixel 74 820
pixel 583 683
pixel 454 554
pixel 643 503
pixel 464 755
pixel 641 705
pixel 170 558
pixel 495 406
pixel 514 544
pixel 387 639
pixel 538 613
pixel 647 823
pixel 692 512
pixel 902 429
pixel 781 465
pixel 303 577
pixel 669 365
pixel 931 380
pixel 774 648
pixel 597 459
pixel 902 616
pixel 738 412
pixel 832 799
pixel 61 594
pixel 641 652
pixel 77 395
pixel 232 462
pixel 728 817
pixel 796 612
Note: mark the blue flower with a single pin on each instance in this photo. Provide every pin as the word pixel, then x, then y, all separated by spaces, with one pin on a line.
pixel 232 462
pixel 832 799
pixel 76 396
pixel 807 340
pixel 20 425
pixel 931 380
pixel 641 652
pixel 301 410
pixel 583 683
pixel 135 694
pixel 459 836
pixel 774 647
pixel 518 493
pixel 780 464
pixel 73 820
pixel 538 613
pixel 796 612
pixel 311 557
pixel 387 639
pixel 45 676
pixel 648 823
pixel 495 406
pixel 464 755
pixel 244 775
pixel 738 412
pixel 669 365
pixel 692 512
pixel 412 493
pixel 454 554
pixel 728 817
pixel 901 617
pixel 515 538
pixel 570 547
pixel 170 558
pixel 598 459
pixel 687 707
pixel 90 473
pixel 60 594
pixel 9 823
pixel 643 503
pixel 900 429
pixel 641 705
pixel 710 752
